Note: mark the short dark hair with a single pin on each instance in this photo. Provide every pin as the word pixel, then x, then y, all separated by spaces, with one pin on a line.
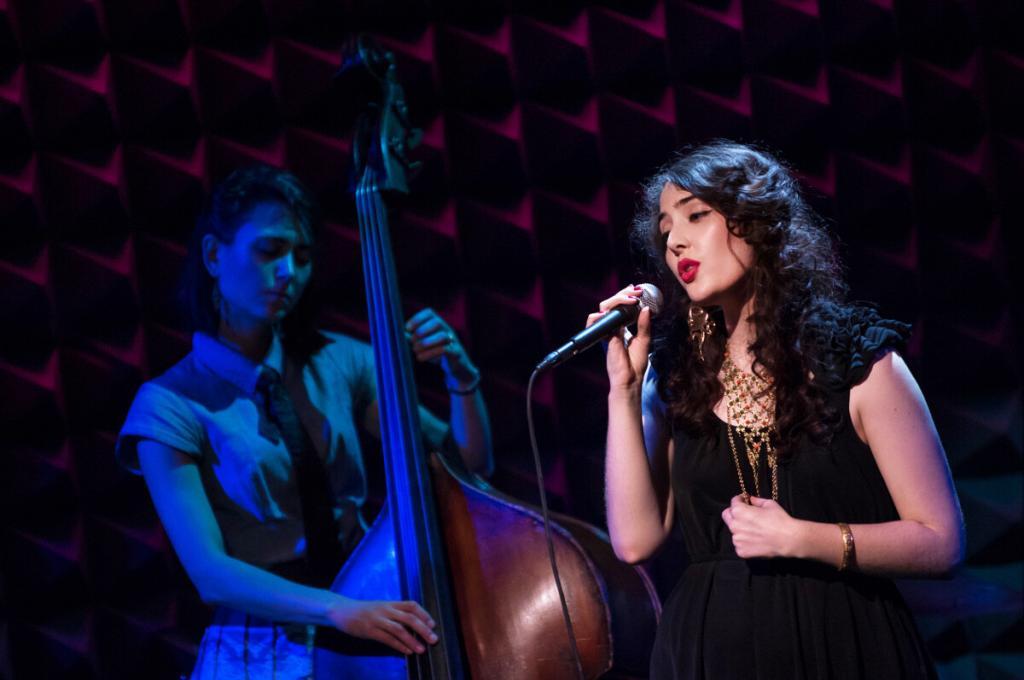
pixel 223 213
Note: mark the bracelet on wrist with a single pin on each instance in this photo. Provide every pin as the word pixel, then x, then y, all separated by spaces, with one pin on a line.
pixel 849 549
pixel 465 390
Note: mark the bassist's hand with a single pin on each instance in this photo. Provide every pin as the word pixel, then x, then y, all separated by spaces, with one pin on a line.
pixel 392 623
pixel 433 340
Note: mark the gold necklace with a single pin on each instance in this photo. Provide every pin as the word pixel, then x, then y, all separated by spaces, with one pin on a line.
pixel 750 411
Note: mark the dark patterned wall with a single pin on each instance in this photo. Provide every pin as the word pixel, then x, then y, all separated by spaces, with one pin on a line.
pixel 905 120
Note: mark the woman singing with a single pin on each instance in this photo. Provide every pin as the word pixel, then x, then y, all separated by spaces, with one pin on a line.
pixel 781 427
pixel 249 444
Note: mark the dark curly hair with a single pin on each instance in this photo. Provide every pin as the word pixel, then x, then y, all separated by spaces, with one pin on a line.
pixel 222 215
pixel 796 280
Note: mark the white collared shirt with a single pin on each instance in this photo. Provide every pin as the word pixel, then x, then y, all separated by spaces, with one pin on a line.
pixel 207 407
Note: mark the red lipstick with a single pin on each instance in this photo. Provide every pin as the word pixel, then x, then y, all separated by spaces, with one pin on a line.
pixel 688 269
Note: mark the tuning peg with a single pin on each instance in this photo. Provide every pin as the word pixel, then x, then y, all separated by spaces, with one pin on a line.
pixel 401 111
pixel 413 138
pixel 397 145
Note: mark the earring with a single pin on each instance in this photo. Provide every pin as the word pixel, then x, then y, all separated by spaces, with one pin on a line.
pixel 701 327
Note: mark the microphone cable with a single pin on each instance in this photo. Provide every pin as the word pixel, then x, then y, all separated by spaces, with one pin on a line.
pixel 547 526
pixel 652 299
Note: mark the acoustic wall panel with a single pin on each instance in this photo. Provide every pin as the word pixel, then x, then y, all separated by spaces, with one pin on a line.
pixel 902 118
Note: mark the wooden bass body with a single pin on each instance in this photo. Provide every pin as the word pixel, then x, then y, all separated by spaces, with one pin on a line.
pixel 507 603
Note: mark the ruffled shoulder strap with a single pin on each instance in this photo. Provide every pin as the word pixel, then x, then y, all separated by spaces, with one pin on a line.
pixel 846 340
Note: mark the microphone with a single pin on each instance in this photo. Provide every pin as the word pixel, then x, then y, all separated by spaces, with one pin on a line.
pixel 606 326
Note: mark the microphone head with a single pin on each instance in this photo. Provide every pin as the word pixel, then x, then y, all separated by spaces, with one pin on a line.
pixel 651 298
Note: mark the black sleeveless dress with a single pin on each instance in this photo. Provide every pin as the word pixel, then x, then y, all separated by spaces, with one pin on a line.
pixel 786 618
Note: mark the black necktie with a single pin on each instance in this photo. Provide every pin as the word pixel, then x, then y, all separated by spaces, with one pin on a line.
pixel 324 553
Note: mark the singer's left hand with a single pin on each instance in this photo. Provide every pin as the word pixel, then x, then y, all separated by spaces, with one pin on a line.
pixel 761 529
pixel 434 341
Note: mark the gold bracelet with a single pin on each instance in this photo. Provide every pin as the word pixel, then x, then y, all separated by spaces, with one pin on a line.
pixel 848 546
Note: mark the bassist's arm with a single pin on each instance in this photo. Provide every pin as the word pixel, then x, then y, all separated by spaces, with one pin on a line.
pixel 470 429
pixel 184 508
pixel 434 341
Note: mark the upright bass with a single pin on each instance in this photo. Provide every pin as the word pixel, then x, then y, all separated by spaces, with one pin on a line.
pixel 474 558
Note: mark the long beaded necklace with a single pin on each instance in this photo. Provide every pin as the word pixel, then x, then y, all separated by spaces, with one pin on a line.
pixel 750 411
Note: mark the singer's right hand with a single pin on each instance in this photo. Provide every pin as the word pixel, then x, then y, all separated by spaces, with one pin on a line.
pixel 626 364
